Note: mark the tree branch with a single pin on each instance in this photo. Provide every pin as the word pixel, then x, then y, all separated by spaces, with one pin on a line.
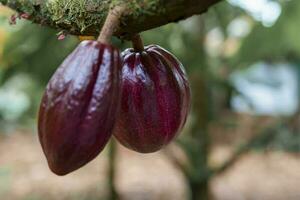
pixel 86 17
pixel 261 139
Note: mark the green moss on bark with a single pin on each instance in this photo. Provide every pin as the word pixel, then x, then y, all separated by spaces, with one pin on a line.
pixel 77 14
pixel 82 15
pixel 86 17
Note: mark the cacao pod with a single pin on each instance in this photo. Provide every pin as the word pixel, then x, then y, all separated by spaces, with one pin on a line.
pixel 79 107
pixel 155 99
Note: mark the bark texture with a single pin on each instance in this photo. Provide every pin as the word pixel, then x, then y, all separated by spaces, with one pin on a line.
pixel 86 17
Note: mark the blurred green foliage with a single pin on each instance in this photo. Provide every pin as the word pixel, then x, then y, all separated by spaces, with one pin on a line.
pixel 207 47
pixel 279 42
pixel 32 53
pixel 34 50
pixel 30 56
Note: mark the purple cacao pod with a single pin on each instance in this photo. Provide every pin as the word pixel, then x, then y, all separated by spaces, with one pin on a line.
pixel 155 99
pixel 79 107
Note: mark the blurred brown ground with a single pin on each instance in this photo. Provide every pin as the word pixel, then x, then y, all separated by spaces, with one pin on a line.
pixel 24 174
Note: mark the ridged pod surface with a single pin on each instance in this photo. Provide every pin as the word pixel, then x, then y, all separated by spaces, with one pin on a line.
pixel 155 99
pixel 79 107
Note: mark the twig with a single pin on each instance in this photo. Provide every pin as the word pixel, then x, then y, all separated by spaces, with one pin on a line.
pixel 111 24
pixel 261 138
pixel 174 160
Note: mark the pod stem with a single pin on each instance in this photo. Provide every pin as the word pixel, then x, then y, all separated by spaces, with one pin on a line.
pixel 137 43
pixel 111 24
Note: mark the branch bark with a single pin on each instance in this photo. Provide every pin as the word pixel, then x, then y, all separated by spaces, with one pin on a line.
pixel 86 17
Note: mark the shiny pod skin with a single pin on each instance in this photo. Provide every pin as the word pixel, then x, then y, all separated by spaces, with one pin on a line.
pixel 79 106
pixel 155 99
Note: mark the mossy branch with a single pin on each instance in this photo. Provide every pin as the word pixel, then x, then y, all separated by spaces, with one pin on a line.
pixel 86 17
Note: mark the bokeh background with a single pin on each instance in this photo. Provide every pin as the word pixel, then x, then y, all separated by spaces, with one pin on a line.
pixel 241 141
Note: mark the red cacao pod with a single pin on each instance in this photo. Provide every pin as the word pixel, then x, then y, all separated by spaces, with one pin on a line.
pixel 155 99
pixel 79 107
